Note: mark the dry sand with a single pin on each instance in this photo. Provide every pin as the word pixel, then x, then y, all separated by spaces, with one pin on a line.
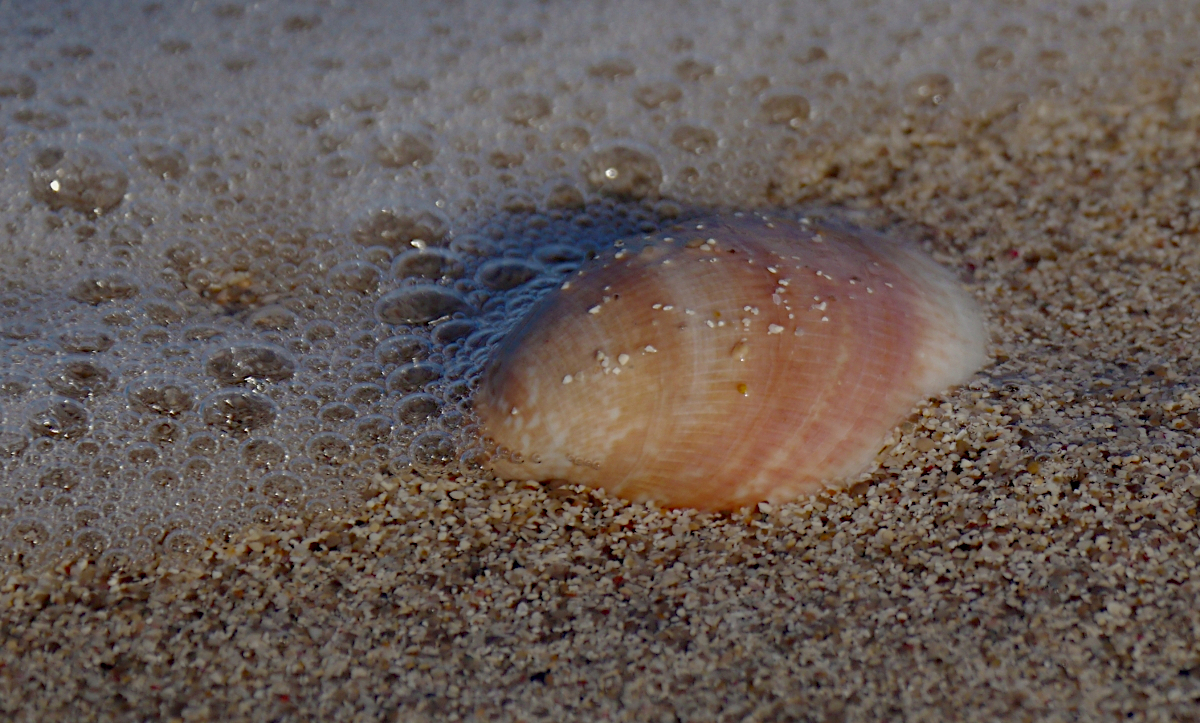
pixel 1025 552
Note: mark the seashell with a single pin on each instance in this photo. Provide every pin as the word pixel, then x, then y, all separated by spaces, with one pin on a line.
pixel 725 362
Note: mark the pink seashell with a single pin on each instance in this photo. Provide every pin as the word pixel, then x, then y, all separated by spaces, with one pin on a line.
pixel 727 361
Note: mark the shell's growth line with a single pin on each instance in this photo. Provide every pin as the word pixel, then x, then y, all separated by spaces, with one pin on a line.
pixel 726 361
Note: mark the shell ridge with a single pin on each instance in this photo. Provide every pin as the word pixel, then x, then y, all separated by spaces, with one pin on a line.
pixel 680 290
pixel 638 455
pixel 784 360
pixel 825 404
pixel 778 376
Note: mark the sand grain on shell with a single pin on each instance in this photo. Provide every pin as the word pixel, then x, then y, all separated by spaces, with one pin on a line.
pixel 1026 550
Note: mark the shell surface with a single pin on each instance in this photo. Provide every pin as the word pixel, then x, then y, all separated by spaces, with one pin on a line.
pixel 726 361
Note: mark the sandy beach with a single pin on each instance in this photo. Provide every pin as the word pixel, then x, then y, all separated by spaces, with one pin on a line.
pixel 1024 550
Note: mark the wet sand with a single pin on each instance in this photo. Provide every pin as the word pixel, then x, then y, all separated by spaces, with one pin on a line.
pixel 1024 552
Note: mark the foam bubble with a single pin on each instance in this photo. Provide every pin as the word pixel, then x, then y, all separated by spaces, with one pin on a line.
pixel 88 180
pixel 399 228
pixel 412 376
pixel 238 410
pixel 505 274
pixel 160 395
pixel 624 170
pixel 249 361
pixel 355 275
pixel 80 377
pixel 428 263
pixel 58 418
pixel 419 305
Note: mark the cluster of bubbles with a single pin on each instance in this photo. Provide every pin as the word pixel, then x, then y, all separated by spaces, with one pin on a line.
pixel 255 256
pixel 143 414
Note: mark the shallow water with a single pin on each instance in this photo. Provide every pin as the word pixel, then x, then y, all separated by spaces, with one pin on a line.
pixel 215 385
